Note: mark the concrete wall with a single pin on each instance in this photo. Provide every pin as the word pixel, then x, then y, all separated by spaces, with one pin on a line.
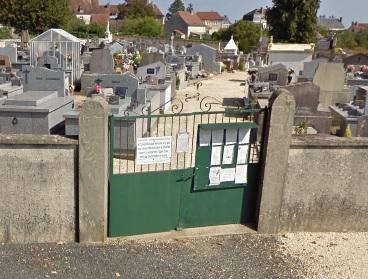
pixel 38 186
pixel 326 185
pixel 313 183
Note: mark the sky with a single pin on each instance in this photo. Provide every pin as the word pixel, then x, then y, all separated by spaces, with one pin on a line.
pixel 350 10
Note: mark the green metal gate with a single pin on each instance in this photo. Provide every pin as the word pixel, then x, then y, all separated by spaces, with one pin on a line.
pixel 161 166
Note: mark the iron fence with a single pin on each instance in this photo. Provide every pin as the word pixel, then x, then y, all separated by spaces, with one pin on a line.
pixel 126 130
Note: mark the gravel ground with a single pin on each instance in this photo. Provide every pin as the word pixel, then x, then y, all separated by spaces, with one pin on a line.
pixel 253 256
pixel 239 256
pixel 329 255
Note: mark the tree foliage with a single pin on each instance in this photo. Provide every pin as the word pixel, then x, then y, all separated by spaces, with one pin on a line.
pixel 35 15
pixel 80 29
pixel 293 21
pixel 246 33
pixel 146 26
pixel 5 33
pixel 351 40
pixel 135 9
pixel 190 8
pixel 176 6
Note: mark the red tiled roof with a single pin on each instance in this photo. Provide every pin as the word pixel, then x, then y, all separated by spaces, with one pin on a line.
pixel 100 18
pixel 190 19
pixel 209 16
pixel 86 5
pixel 356 26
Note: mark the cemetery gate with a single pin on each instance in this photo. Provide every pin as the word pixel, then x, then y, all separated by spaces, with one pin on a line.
pixel 183 170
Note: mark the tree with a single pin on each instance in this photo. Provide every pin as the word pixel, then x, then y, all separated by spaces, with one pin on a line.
pixel 146 26
pixel 135 9
pixel 246 33
pixel 80 29
pixel 293 21
pixel 190 8
pixel 176 6
pixel 35 15
pixel 5 33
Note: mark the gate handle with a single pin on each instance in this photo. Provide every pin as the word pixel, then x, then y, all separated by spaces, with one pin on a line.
pixel 185 178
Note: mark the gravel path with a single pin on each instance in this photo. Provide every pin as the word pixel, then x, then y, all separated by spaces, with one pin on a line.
pixel 252 256
pixel 329 255
pixel 242 256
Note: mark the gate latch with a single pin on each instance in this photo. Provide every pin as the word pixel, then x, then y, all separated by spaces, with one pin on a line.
pixel 185 178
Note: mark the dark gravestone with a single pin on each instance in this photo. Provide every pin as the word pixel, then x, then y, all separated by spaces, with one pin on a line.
pixel 306 96
pixel 101 62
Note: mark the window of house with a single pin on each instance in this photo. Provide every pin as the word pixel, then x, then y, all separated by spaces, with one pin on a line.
pixel 272 77
pixel 150 71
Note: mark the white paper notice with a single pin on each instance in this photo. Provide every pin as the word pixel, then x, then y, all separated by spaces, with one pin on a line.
pixel 204 137
pixel 228 156
pixel 216 155
pixel 153 150
pixel 182 143
pixel 217 137
pixel 244 136
pixel 241 174
pixel 227 175
pixel 231 136
pixel 242 154
pixel 214 176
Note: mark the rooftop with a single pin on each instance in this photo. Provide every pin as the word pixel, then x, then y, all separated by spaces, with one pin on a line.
pixel 190 19
pixel 209 15
pixel 330 23
pixel 291 47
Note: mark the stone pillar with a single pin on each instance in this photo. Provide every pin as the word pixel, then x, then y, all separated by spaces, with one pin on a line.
pixel 276 161
pixel 93 171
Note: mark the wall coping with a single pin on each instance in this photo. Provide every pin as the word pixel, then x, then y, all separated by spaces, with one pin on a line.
pixel 28 139
pixel 321 141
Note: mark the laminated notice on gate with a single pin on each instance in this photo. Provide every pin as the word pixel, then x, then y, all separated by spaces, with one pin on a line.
pixel 182 143
pixel 214 176
pixel 205 137
pixel 244 136
pixel 241 174
pixel 155 150
pixel 227 175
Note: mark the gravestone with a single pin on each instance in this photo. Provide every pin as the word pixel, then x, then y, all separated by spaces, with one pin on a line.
pixel 5 61
pixel 101 62
pixel 11 52
pixel 33 112
pixel 306 97
pixel 125 84
pixel 48 61
pixel 43 79
pixel 330 77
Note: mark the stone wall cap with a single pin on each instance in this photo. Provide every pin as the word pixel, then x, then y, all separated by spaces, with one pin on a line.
pixel 27 139
pixel 320 140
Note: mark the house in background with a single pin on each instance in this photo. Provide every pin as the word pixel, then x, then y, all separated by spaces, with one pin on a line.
pixel 358 26
pixel 257 16
pixel 213 21
pixel 186 24
pixel 331 23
